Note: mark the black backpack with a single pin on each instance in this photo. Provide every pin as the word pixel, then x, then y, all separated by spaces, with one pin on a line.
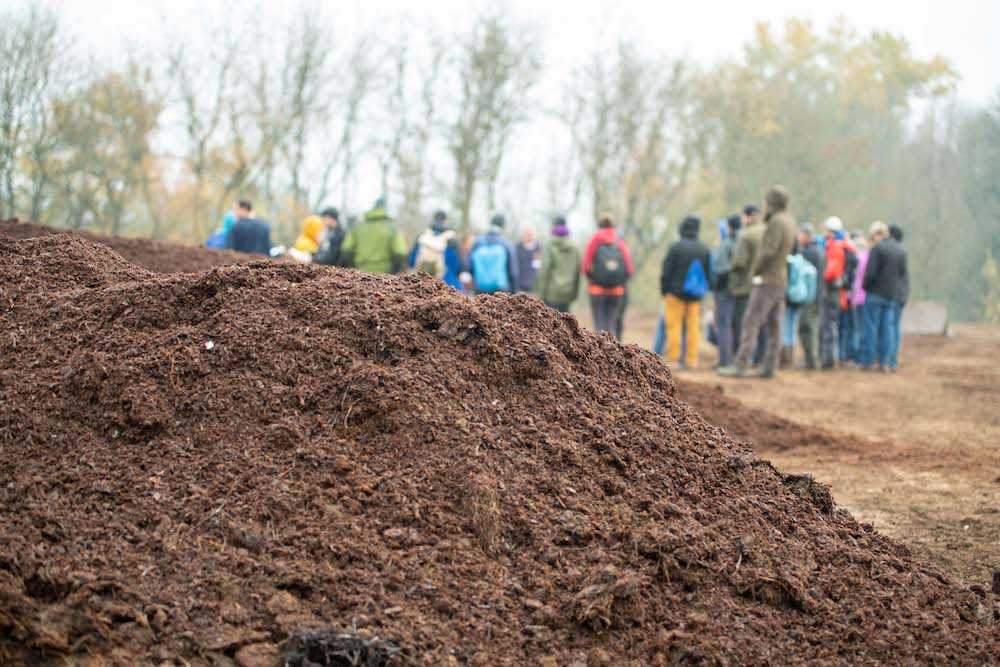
pixel 609 269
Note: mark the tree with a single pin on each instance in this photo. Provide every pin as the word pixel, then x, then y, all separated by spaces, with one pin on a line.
pixel 497 65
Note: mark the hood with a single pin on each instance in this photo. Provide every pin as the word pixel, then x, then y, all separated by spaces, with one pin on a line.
pixel 776 199
pixel 378 214
pixel 606 235
pixel 562 244
pixel 690 227
pixel 312 228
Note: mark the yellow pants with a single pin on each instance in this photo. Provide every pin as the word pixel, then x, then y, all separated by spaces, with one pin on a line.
pixel 677 312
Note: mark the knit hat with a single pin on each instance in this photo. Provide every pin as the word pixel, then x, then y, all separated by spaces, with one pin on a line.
pixel 439 221
pixel 331 212
pixel 559 226
pixel 690 226
pixel 497 223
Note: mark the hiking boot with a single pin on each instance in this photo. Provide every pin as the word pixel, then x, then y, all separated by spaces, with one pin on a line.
pixel 735 371
pixel 767 374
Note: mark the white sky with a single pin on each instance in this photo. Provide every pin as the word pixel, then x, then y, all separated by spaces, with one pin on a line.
pixel 967 32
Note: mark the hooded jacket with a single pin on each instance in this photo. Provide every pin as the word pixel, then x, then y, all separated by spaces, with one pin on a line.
pixel 777 243
pixel 312 233
pixel 679 258
pixel 606 236
pixel 491 237
pixel 374 246
pixel 559 277
pixel 747 246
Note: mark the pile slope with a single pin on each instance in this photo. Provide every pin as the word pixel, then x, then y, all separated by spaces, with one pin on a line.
pixel 219 467
pixel 156 256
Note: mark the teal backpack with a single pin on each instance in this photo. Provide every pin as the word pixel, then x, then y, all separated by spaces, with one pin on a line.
pixel 802 281
pixel 489 267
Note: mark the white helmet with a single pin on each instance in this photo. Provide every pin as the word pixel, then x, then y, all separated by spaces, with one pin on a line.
pixel 834 224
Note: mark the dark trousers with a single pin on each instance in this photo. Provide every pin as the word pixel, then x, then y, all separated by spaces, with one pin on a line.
pixel 829 316
pixel 739 311
pixel 809 332
pixel 607 310
pixel 849 334
pixel 725 327
pixel 765 310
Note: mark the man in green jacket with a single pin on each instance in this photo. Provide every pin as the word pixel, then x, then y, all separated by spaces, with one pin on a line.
pixel 747 244
pixel 769 279
pixel 558 281
pixel 375 245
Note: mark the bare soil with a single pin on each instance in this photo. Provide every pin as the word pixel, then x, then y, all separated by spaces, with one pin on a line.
pixel 269 463
pixel 915 453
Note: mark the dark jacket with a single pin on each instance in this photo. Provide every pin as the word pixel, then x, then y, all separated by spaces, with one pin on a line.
pixel 529 261
pixel 679 259
pixel 329 251
pixel 886 273
pixel 251 236
pixel 813 255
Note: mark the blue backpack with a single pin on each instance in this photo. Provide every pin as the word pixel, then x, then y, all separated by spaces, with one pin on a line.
pixel 218 241
pixel 802 280
pixel 695 281
pixel 489 267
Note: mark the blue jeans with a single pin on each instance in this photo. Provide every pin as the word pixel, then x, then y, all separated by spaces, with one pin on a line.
pixel 898 341
pixel 790 325
pixel 660 341
pixel 848 334
pixel 880 319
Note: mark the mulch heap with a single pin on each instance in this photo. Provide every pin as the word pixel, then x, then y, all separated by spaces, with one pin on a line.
pixel 272 464
pixel 157 256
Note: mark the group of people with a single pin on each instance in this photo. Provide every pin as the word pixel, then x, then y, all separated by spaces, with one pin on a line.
pixel 481 264
pixel 776 283
pixel 773 282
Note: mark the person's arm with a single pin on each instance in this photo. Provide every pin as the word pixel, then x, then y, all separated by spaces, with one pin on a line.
pixel 347 250
pixel 873 269
pixel 512 271
pixel 627 254
pixel 667 271
pixel 542 283
pixel 904 280
pixel 770 246
pixel 709 269
pixel 411 260
pixel 588 255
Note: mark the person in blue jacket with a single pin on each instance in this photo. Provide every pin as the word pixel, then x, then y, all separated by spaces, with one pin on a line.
pixel 492 261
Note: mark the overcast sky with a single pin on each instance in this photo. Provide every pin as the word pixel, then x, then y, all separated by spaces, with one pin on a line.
pixel 967 32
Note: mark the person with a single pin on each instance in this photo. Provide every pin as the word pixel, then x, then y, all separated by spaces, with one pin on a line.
pixel 744 254
pixel 607 264
pixel 529 259
pixel 307 243
pixel 375 245
pixel 492 262
pixel 802 279
pixel 856 301
pixel 885 277
pixel 558 282
pixel 847 326
pixel 684 281
pixel 834 276
pixel 809 314
pixel 896 232
pixel 436 252
pixel 333 237
pixel 769 278
pixel 725 303
pixel 248 234
pixel 221 239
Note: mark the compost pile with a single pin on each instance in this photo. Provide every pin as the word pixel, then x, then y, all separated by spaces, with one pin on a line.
pixel 157 256
pixel 274 463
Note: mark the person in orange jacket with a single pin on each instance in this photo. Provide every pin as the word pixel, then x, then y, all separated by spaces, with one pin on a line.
pixel 607 263
pixel 837 277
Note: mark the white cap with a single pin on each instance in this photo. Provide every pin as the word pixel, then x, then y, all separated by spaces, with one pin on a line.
pixel 834 224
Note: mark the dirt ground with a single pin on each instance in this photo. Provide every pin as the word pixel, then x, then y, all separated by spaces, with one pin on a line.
pixel 921 456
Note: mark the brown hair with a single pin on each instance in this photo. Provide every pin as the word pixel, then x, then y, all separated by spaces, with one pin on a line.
pixel 606 222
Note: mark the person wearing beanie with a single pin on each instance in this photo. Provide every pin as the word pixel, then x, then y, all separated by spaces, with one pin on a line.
pixel 685 279
pixel 607 264
pixel 896 233
pixel 558 282
pixel 333 238
pixel 529 259
pixel 886 283
pixel 839 265
pixel 375 245
pixel 769 279
pixel 808 328
pixel 492 262
pixel 436 252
